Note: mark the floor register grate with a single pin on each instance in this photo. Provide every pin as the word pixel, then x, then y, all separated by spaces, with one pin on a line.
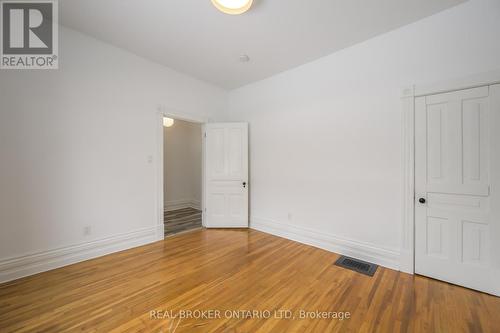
pixel 357 265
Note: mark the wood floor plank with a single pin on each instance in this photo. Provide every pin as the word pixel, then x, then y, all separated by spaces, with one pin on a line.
pixel 230 270
pixel 181 220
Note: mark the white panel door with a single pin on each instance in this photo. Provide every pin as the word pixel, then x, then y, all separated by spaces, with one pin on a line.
pixel 226 177
pixel 457 187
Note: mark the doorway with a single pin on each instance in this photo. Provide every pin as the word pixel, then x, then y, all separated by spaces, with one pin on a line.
pixel 215 195
pixel 182 176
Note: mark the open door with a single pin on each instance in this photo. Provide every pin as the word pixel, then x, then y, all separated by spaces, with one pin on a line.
pixel 226 175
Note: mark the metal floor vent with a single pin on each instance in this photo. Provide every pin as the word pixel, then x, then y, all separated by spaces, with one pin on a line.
pixel 357 265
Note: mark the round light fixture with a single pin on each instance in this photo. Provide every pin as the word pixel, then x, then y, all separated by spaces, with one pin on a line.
pixel 233 7
pixel 168 122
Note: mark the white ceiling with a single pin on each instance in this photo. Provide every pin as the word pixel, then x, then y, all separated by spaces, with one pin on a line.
pixel 191 36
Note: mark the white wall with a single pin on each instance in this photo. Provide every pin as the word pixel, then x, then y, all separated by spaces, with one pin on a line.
pixel 75 144
pixel 182 165
pixel 325 138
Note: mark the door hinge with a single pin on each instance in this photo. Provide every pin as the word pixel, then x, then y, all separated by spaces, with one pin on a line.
pixel 205 134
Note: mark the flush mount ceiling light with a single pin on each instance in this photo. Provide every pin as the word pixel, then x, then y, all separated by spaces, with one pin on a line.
pixel 233 7
pixel 244 58
pixel 168 122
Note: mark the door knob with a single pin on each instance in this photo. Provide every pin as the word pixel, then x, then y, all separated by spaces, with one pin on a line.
pixel 421 200
pixel 244 184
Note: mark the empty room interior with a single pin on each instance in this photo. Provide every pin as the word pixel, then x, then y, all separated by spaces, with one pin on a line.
pixel 250 166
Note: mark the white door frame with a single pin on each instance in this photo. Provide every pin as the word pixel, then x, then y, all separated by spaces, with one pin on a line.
pixel 178 115
pixel 407 261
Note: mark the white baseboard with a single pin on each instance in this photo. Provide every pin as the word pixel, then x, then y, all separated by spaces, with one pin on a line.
pixel 14 268
pixel 180 204
pixel 160 232
pixel 406 262
pixel 360 250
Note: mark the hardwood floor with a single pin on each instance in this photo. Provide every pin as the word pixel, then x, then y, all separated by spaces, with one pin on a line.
pixel 224 270
pixel 181 220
